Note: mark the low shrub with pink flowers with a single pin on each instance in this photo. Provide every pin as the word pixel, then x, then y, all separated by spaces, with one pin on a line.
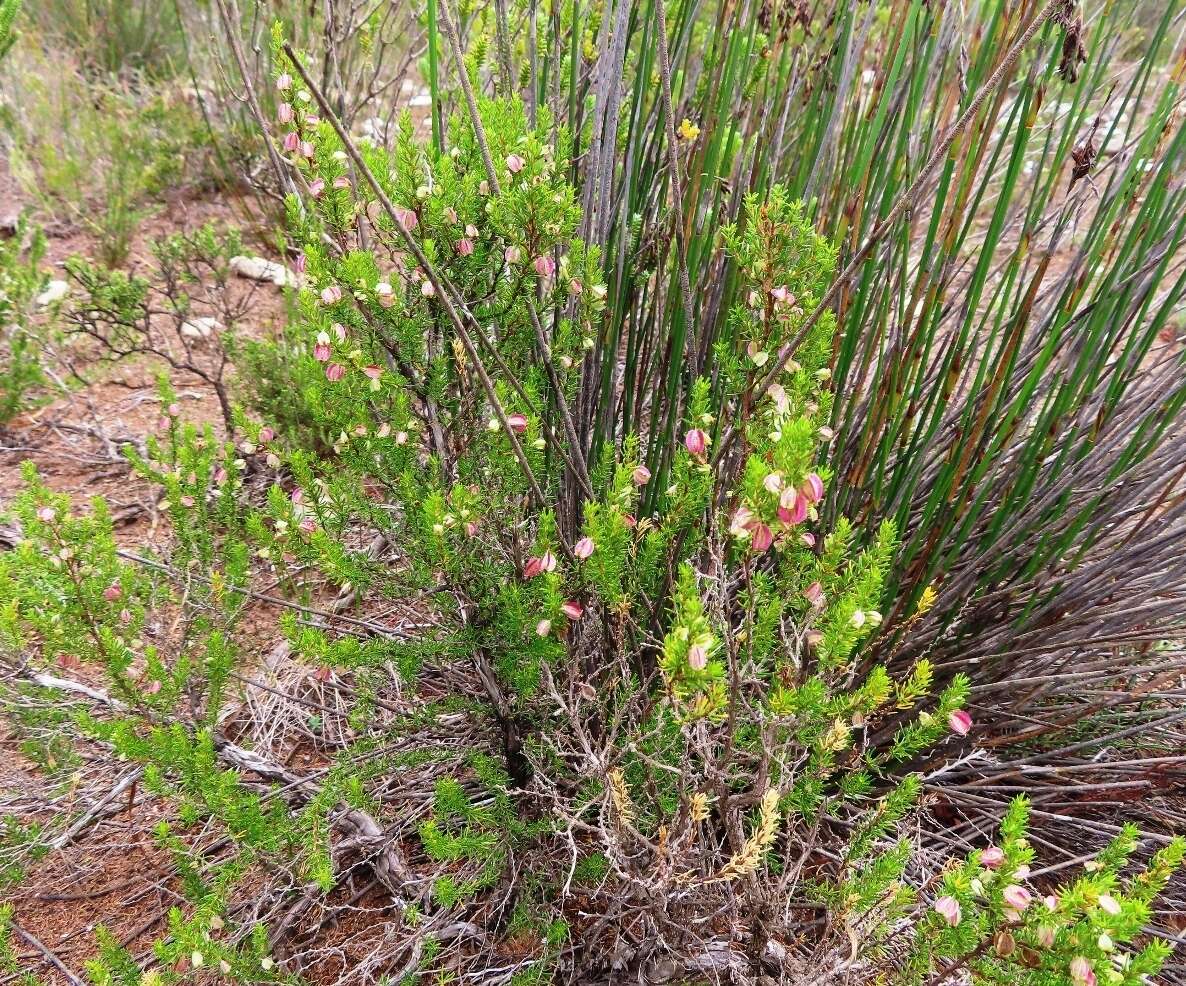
pixel 580 667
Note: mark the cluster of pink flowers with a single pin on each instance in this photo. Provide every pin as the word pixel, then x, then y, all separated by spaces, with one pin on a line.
pixel 537 565
pixel 547 562
pixel 793 507
pixel 1015 897
pixel 322 352
pixel 305 522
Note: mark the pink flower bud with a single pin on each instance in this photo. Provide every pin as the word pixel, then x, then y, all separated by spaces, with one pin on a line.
pixel 174 410
pixel 125 616
pixel 808 539
pixel 307 525
pixel 512 255
pixel 292 142
pixel 959 722
pixel 1109 904
pixel 339 331
pixel 773 483
pixel 331 295
pixel 406 218
pixel 697 658
pixel 696 441
pixel 812 488
pixel 450 213
pixel 321 352
pixel 572 609
pixel 543 628
pixel 316 187
pixel 792 507
pixel 334 372
pixel 763 537
pixel 533 567
pixel 583 548
pixel 1081 971
pixel 992 857
pixel 517 423
pixel 112 592
pixel 629 520
pixel 307 149
pixel 641 476
pixel 427 289
pixel 470 528
pixel 1017 897
pixel 341 182
pixel 220 476
pixel 187 501
pixel 544 265
pixel 373 372
pixel 266 434
pixel 548 562
pixel 46 515
pixel 1045 935
pixel 471 231
pixel 284 82
pixel 465 246
pixel 743 519
pixel 483 187
pixel 514 163
pixel 574 287
pixel 301 263
pixel 814 594
pixel 948 908
pixel 284 113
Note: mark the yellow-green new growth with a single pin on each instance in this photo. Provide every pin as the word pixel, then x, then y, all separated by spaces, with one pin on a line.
pixel 751 854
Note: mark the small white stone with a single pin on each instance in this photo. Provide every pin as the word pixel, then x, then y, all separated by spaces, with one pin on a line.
pixel 54 291
pixel 261 269
pixel 201 328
